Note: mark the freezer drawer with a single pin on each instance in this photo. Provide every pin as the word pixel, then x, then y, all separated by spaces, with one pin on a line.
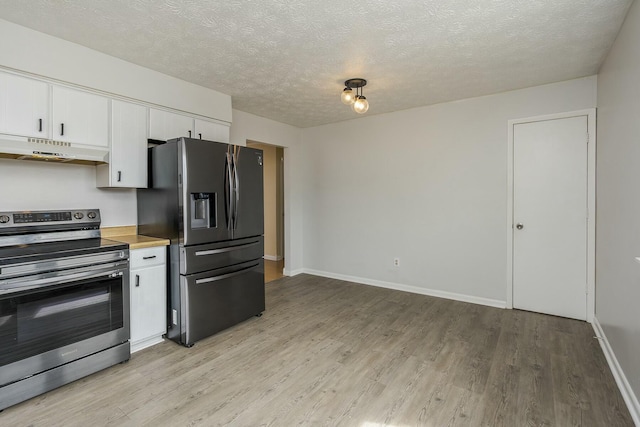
pixel 198 258
pixel 213 301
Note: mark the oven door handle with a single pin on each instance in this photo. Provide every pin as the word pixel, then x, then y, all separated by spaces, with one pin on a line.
pixel 62 264
pixel 45 280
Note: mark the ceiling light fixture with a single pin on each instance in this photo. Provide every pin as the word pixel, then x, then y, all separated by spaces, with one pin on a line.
pixel 358 102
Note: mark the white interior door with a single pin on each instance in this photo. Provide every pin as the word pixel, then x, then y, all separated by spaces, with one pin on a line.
pixel 550 216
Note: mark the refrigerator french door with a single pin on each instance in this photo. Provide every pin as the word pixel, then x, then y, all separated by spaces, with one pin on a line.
pixel 207 198
pixel 249 217
pixel 222 190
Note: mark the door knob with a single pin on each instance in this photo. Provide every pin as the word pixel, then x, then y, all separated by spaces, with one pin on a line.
pixel 519 226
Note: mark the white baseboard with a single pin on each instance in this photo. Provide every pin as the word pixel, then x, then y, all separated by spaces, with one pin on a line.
pixel 292 273
pixel 272 257
pixel 623 384
pixel 409 288
pixel 147 342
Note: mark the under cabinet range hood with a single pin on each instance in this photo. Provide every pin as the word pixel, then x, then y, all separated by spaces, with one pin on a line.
pixel 24 148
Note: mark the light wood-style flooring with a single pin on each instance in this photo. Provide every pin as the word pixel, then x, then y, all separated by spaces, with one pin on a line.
pixel 331 353
pixel 273 270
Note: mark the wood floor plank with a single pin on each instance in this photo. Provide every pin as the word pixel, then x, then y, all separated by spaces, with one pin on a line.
pixel 568 415
pixel 328 352
pixel 536 394
pixel 501 395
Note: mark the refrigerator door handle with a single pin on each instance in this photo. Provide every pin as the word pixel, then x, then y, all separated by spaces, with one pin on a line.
pixel 228 191
pixel 236 190
pixel 224 276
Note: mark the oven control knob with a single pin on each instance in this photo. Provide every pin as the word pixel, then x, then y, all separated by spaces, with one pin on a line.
pixel 4 219
pixel 91 215
pixel 78 215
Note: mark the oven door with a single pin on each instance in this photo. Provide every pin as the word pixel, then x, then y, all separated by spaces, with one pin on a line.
pixel 52 318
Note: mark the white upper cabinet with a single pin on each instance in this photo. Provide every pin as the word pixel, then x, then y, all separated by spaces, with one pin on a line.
pixel 60 114
pixel 164 125
pixel 211 131
pixel 128 155
pixel 80 117
pixel 24 106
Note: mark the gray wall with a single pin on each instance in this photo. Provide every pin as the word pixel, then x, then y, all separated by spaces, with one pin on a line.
pixel 427 185
pixel 618 198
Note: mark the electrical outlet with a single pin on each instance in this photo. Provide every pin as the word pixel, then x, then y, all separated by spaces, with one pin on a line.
pixel 396 262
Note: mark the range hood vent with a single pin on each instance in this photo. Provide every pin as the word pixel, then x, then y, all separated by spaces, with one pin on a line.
pixel 23 148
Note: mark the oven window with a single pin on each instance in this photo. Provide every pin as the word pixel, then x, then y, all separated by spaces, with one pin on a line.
pixel 37 322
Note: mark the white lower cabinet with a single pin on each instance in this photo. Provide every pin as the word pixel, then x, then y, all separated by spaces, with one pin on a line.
pixel 148 310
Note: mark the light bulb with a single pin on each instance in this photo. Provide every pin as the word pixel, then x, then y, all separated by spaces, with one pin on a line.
pixel 348 97
pixel 361 105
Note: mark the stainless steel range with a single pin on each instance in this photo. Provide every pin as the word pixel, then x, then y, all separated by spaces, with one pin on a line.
pixel 64 301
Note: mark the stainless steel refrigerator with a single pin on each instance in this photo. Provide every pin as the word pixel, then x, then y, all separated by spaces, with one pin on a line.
pixel 207 198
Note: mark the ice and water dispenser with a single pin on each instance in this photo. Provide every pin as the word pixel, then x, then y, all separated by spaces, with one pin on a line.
pixel 203 210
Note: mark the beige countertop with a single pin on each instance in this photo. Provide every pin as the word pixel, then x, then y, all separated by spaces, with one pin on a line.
pixel 128 234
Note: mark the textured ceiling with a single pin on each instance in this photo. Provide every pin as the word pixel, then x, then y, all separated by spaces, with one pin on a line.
pixel 287 59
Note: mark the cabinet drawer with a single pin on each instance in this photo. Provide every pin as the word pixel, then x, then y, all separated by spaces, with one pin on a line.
pixel 147 257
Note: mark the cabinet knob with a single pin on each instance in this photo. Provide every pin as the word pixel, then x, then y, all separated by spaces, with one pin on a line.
pixel 61 129
pixel 119 176
pixel 137 280
pixel 189 134
pixel 39 125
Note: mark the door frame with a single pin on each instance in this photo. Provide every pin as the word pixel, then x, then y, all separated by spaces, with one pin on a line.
pixel 591 201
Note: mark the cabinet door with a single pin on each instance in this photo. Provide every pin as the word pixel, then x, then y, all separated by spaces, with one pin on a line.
pixel 164 125
pixel 211 131
pixel 148 303
pixel 128 159
pixel 24 105
pixel 80 117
